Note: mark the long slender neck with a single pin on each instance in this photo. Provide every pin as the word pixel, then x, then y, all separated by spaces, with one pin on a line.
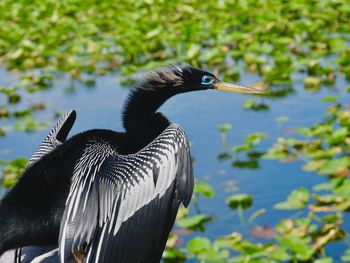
pixel 140 118
pixel 142 105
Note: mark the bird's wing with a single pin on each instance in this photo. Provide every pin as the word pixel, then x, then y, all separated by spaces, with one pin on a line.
pixel 122 207
pixel 56 136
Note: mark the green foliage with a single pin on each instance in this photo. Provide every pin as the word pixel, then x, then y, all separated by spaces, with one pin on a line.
pixel 225 127
pixel 324 150
pixel 196 222
pixel 252 141
pixel 282 119
pixel 202 249
pixel 296 200
pixel 330 99
pixel 346 256
pixel 243 201
pixel 312 83
pixel 12 170
pixel 29 124
pixel 253 104
pixel 204 189
pixel 268 36
pixel 300 247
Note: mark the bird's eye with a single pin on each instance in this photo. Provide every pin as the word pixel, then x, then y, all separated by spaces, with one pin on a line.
pixel 207 80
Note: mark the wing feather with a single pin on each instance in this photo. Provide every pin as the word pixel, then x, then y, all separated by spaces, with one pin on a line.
pixel 56 136
pixel 118 202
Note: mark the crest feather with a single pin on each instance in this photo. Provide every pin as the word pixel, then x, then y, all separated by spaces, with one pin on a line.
pixel 170 75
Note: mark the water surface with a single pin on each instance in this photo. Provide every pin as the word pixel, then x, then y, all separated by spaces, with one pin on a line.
pixel 199 113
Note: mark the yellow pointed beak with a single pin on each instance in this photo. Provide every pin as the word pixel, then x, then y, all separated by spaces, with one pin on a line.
pixel 236 88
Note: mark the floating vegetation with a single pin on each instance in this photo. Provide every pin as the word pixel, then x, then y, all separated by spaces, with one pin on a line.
pixel 272 38
pixel 241 201
pixel 12 170
pixel 30 124
pixel 324 149
pixel 252 155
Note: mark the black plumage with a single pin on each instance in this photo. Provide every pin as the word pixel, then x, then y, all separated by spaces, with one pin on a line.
pixel 107 196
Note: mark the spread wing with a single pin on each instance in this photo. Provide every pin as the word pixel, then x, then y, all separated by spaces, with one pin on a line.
pixel 121 207
pixel 56 136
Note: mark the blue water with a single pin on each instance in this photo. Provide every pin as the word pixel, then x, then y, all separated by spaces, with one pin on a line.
pixel 199 113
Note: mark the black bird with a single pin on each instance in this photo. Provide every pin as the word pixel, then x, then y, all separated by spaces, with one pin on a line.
pixel 110 196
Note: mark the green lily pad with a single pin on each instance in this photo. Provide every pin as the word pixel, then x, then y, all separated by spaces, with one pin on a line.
pixel 243 201
pixel 296 200
pixel 203 188
pixel 225 127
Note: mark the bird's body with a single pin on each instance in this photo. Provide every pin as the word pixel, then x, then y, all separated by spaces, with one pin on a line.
pixel 106 196
pixel 43 204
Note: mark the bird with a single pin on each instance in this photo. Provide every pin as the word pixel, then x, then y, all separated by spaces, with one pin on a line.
pixel 107 196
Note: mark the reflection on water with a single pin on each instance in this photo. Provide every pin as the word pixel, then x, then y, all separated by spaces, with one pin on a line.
pixel 199 113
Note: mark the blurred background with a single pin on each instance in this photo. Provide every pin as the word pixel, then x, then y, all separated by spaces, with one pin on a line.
pixel 272 170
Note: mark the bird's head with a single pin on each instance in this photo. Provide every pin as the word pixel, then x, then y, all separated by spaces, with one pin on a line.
pixel 198 79
pixel 184 78
pixel 152 91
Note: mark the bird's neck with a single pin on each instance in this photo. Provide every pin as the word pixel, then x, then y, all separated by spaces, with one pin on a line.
pixel 141 120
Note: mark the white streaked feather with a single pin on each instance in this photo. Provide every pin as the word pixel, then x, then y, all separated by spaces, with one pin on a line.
pixel 132 176
pixel 51 141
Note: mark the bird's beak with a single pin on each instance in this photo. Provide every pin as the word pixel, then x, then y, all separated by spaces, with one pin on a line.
pixel 236 88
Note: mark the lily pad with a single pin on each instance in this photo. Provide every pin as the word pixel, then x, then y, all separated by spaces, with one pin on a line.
pixel 243 201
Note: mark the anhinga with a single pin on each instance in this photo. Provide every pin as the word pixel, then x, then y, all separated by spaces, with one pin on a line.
pixel 110 196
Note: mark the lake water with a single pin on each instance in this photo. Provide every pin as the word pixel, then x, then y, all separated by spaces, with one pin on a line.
pixel 199 113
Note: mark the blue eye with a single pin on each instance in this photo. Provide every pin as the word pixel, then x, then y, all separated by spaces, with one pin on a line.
pixel 207 80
